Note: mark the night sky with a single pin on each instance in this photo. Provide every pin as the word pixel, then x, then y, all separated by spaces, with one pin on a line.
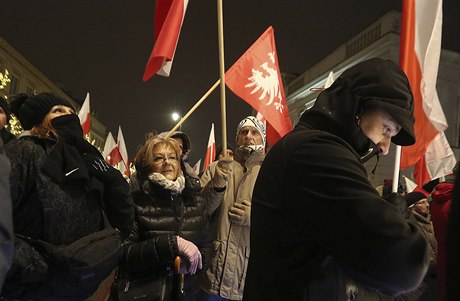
pixel 102 46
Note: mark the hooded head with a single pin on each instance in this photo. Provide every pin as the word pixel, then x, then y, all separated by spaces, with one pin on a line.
pixel 374 84
pixel 253 122
pixel 32 109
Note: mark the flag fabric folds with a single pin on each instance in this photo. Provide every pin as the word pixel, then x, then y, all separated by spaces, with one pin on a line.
pixel 168 19
pixel 211 149
pixel 84 115
pixel 330 80
pixel 420 49
pixel 124 166
pixel 196 167
pixel 256 78
pixel 111 153
pixel 412 186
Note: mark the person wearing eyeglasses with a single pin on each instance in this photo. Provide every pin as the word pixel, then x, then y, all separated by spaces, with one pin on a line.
pixel 171 221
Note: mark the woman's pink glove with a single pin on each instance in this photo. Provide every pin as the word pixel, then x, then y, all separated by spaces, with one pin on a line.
pixel 189 251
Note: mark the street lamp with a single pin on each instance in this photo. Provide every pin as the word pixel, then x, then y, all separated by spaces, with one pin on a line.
pixel 176 116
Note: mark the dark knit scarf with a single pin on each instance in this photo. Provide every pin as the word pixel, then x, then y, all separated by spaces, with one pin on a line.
pixel 65 162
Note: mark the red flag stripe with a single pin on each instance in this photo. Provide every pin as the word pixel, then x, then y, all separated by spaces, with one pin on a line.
pixel 86 125
pixel 114 157
pixel 423 128
pixel 169 15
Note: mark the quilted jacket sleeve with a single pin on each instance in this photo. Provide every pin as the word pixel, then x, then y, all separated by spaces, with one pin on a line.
pixel 146 255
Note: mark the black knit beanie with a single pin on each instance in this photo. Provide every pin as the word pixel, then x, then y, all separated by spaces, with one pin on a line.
pixel 6 108
pixel 414 196
pixel 32 109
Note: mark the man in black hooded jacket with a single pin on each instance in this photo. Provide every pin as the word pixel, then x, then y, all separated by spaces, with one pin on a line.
pixel 319 230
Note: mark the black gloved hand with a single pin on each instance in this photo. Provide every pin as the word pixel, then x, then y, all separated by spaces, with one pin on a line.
pixel 101 169
pixel 116 196
pixel 400 202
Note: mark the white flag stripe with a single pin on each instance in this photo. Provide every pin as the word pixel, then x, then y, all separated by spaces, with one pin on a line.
pixel 439 157
pixel 428 33
pixel 330 80
pixel 410 185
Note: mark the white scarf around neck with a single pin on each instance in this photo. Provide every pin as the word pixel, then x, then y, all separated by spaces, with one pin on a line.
pixel 176 186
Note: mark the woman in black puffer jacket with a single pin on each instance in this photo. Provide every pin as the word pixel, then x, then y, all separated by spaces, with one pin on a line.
pixel 171 221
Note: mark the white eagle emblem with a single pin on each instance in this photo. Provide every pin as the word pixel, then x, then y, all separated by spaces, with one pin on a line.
pixel 266 80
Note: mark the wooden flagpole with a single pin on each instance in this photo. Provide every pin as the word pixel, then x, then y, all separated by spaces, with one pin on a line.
pixel 198 103
pixel 220 30
pixel 221 81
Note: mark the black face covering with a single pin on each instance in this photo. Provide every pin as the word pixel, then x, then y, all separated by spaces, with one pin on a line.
pixel 65 161
pixel 70 131
pixel 68 128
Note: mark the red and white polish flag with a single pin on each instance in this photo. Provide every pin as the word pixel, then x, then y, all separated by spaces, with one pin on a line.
pixel 412 186
pixel 111 153
pixel 124 166
pixel 84 115
pixel 211 150
pixel 168 19
pixel 420 49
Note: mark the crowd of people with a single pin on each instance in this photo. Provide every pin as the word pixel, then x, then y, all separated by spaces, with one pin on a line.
pixel 300 221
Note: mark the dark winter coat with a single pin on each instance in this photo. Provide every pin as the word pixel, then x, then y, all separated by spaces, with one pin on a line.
pixel 6 136
pixel 161 216
pixel 440 209
pixel 58 213
pixel 453 247
pixel 6 219
pixel 319 230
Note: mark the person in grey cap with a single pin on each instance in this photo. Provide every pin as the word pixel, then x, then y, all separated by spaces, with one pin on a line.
pixel 230 222
pixel 319 229
pixel 4 118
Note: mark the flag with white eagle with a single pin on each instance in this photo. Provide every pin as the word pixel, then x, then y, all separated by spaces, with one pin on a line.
pixel 256 78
